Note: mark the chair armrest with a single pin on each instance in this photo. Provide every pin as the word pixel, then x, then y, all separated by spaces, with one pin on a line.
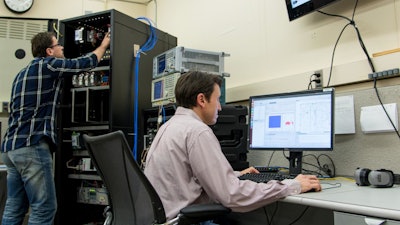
pixel 202 212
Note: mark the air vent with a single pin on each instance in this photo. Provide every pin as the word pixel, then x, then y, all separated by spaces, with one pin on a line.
pixel 21 29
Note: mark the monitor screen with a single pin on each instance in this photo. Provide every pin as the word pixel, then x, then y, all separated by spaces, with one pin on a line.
pixel 294 121
pixel 299 8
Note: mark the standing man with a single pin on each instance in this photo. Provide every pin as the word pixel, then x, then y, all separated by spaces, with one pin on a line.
pixel 32 129
pixel 185 163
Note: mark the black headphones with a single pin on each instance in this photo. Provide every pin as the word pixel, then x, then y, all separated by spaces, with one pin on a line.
pixel 377 178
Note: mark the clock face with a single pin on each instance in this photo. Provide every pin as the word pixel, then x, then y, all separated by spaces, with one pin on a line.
pixel 18 6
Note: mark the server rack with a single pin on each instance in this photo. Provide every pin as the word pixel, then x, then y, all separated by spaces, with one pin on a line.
pixel 104 104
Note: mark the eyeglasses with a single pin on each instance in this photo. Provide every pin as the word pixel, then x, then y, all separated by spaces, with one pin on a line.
pixel 58 44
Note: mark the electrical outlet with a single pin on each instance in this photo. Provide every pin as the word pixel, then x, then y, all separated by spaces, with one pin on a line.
pixel 318 76
pixel 4 107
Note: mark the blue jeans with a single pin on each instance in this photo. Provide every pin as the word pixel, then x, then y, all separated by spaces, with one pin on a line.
pixel 30 183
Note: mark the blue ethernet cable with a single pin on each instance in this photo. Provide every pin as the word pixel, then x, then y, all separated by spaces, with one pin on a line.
pixel 150 43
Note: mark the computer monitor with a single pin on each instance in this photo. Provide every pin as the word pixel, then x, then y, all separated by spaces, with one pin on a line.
pixel 295 121
pixel 299 8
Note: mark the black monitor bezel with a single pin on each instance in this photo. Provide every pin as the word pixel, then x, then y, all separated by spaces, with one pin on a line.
pixel 305 8
pixel 331 91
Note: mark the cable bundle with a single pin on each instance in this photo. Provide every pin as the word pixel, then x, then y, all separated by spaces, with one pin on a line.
pixel 150 43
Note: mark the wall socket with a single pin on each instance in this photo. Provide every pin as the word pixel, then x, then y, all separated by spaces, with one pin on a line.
pixel 319 84
pixel 4 107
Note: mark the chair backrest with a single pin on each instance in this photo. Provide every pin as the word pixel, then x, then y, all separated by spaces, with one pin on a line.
pixel 132 198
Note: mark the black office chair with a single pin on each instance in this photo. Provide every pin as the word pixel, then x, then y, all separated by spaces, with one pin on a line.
pixel 132 198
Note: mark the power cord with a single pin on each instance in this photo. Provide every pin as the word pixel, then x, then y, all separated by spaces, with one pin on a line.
pixel 332 185
pixel 270 222
pixel 321 167
pixel 266 215
pixel 331 173
pixel 273 213
pixel 300 216
pixel 352 23
pixel 270 159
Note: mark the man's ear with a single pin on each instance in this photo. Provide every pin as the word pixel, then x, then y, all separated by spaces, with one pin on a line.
pixel 49 51
pixel 201 99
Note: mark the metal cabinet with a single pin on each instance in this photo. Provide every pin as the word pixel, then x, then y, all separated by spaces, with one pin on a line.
pixel 342 218
pixel 94 108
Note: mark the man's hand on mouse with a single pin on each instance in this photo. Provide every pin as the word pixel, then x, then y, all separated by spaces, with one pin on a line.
pixel 308 183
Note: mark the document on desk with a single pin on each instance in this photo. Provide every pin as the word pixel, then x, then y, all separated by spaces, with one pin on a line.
pixel 344 115
pixel 373 119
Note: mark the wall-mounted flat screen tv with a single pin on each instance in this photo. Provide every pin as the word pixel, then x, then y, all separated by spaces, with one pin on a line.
pixel 299 8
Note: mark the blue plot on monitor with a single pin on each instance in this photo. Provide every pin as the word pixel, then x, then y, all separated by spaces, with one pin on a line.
pixel 275 121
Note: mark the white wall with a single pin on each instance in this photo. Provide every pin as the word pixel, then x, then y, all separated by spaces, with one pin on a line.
pixel 60 9
pixel 54 9
pixel 269 53
pixel 265 47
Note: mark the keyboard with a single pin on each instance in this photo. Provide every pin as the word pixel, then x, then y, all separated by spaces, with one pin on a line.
pixel 267 169
pixel 265 177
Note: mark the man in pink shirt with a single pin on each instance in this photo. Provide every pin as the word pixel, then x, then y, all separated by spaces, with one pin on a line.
pixel 185 163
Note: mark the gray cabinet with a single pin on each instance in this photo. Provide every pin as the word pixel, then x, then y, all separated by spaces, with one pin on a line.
pixel 342 218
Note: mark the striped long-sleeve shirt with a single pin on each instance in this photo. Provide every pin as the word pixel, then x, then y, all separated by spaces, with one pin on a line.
pixel 186 166
pixel 34 97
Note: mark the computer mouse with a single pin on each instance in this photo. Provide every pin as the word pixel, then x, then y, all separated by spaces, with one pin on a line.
pixel 312 190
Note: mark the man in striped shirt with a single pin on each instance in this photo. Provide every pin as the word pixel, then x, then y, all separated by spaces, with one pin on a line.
pixel 32 129
pixel 185 163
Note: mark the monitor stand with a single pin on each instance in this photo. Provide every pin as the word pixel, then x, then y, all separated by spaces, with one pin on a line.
pixel 295 161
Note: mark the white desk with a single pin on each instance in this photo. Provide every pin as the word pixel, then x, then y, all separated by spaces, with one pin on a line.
pixel 353 204
pixel 365 200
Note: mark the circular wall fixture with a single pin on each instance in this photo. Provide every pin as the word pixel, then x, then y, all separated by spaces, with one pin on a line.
pixel 20 53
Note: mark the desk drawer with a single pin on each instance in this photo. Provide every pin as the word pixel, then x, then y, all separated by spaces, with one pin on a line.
pixel 353 219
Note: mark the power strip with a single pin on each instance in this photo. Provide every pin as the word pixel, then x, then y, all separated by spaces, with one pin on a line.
pixel 384 74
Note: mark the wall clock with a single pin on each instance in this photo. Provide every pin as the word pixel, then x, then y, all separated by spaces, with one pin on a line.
pixel 18 6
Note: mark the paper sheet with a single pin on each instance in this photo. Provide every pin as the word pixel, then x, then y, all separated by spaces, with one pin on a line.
pixel 344 115
pixel 373 119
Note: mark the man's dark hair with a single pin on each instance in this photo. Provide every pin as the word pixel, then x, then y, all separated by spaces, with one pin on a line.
pixel 40 42
pixel 190 84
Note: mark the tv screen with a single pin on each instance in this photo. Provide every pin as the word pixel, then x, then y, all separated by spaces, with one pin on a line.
pixel 299 8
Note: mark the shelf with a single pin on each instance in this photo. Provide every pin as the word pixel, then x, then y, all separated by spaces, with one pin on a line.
pixel 84 176
pixel 101 87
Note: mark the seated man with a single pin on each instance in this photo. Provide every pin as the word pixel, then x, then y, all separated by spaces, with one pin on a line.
pixel 186 165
